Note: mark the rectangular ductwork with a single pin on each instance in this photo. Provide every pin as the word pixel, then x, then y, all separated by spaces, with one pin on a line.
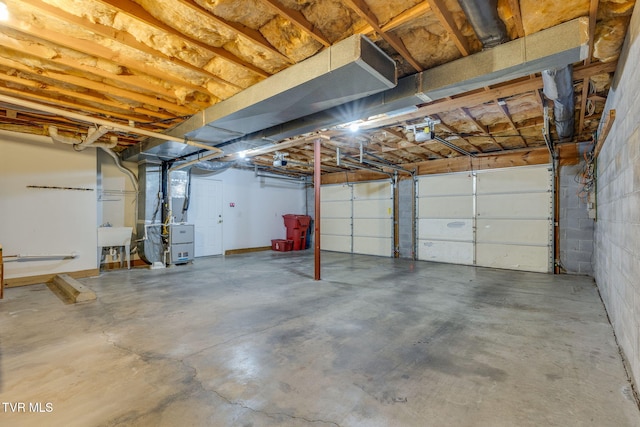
pixel 351 69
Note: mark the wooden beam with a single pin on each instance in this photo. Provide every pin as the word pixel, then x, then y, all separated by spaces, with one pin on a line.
pixel 41 50
pixel 125 39
pixel 446 19
pixel 449 129
pixel 73 106
pixel 361 8
pixel 480 97
pixel 98 87
pixel 99 52
pixel 517 17
pixel 253 36
pixel 534 156
pixel 297 19
pixel 604 131
pixel 593 16
pixel 352 176
pixel 504 109
pixel 408 15
pixel 137 12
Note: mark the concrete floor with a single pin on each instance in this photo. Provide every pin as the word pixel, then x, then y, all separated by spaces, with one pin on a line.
pixel 252 340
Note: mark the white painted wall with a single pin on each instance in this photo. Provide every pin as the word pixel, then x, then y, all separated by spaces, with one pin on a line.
pixel 617 229
pixel 46 221
pixel 259 203
pixel 116 196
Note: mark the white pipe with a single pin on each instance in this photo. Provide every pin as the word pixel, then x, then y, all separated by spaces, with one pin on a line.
pixel 112 125
pixel 81 144
pixel 27 256
pixel 93 135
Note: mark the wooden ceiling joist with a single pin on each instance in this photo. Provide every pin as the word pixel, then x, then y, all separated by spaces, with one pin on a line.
pixel 517 16
pixel 361 8
pixel 36 50
pixel 247 33
pixel 298 20
pixel 439 8
pixel 593 16
pixel 135 11
pixel 124 39
pixel 98 87
pixel 100 52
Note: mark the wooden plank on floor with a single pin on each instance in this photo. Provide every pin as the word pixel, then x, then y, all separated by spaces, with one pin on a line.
pixel 44 278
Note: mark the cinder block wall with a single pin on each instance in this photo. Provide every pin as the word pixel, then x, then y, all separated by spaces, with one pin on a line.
pixel 405 218
pixel 576 228
pixel 617 229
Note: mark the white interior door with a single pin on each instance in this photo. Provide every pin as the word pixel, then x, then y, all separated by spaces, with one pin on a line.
pixel 205 212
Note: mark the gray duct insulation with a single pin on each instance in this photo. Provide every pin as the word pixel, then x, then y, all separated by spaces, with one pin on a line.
pixel 483 17
pixel 558 86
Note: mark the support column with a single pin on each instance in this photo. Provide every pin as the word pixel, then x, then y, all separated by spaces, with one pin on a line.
pixel 316 188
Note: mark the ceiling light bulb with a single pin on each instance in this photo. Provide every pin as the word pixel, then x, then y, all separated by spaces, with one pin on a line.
pixel 355 127
pixel 242 154
pixel 4 11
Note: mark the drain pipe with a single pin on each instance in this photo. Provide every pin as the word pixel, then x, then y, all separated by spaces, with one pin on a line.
pixel 483 17
pixel 558 87
pixel 111 125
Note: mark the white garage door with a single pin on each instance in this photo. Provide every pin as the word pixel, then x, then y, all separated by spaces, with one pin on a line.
pixel 514 227
pixel 445 218
pixel 496 218
pixel 358 218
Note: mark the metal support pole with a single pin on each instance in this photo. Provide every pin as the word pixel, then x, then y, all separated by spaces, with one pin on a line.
pixel 316 187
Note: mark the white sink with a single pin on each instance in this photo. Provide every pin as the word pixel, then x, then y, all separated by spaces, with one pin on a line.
pixel 114 236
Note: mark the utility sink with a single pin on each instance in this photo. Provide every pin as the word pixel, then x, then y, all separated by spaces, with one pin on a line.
pixel 114 236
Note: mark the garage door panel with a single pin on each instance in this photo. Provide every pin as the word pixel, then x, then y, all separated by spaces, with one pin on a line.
pixel 372 208
pixel 449 252
pixel 450 184
pixel 372 246
pixel 372 190
pixel 533 232
pixel 446 207
pixel 525 179
pixel 507 206
pixel 335 243
pixel 340 209
pixel 339 226
pixel 446 229
pixel 513 257
pixel 373 227
pixel 335 192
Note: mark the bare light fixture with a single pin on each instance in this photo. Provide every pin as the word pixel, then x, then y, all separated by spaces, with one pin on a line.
pixel 4 11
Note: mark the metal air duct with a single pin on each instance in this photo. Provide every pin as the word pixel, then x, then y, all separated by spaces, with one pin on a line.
pixel 558 86
pixel 483 17
pixel 349 70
